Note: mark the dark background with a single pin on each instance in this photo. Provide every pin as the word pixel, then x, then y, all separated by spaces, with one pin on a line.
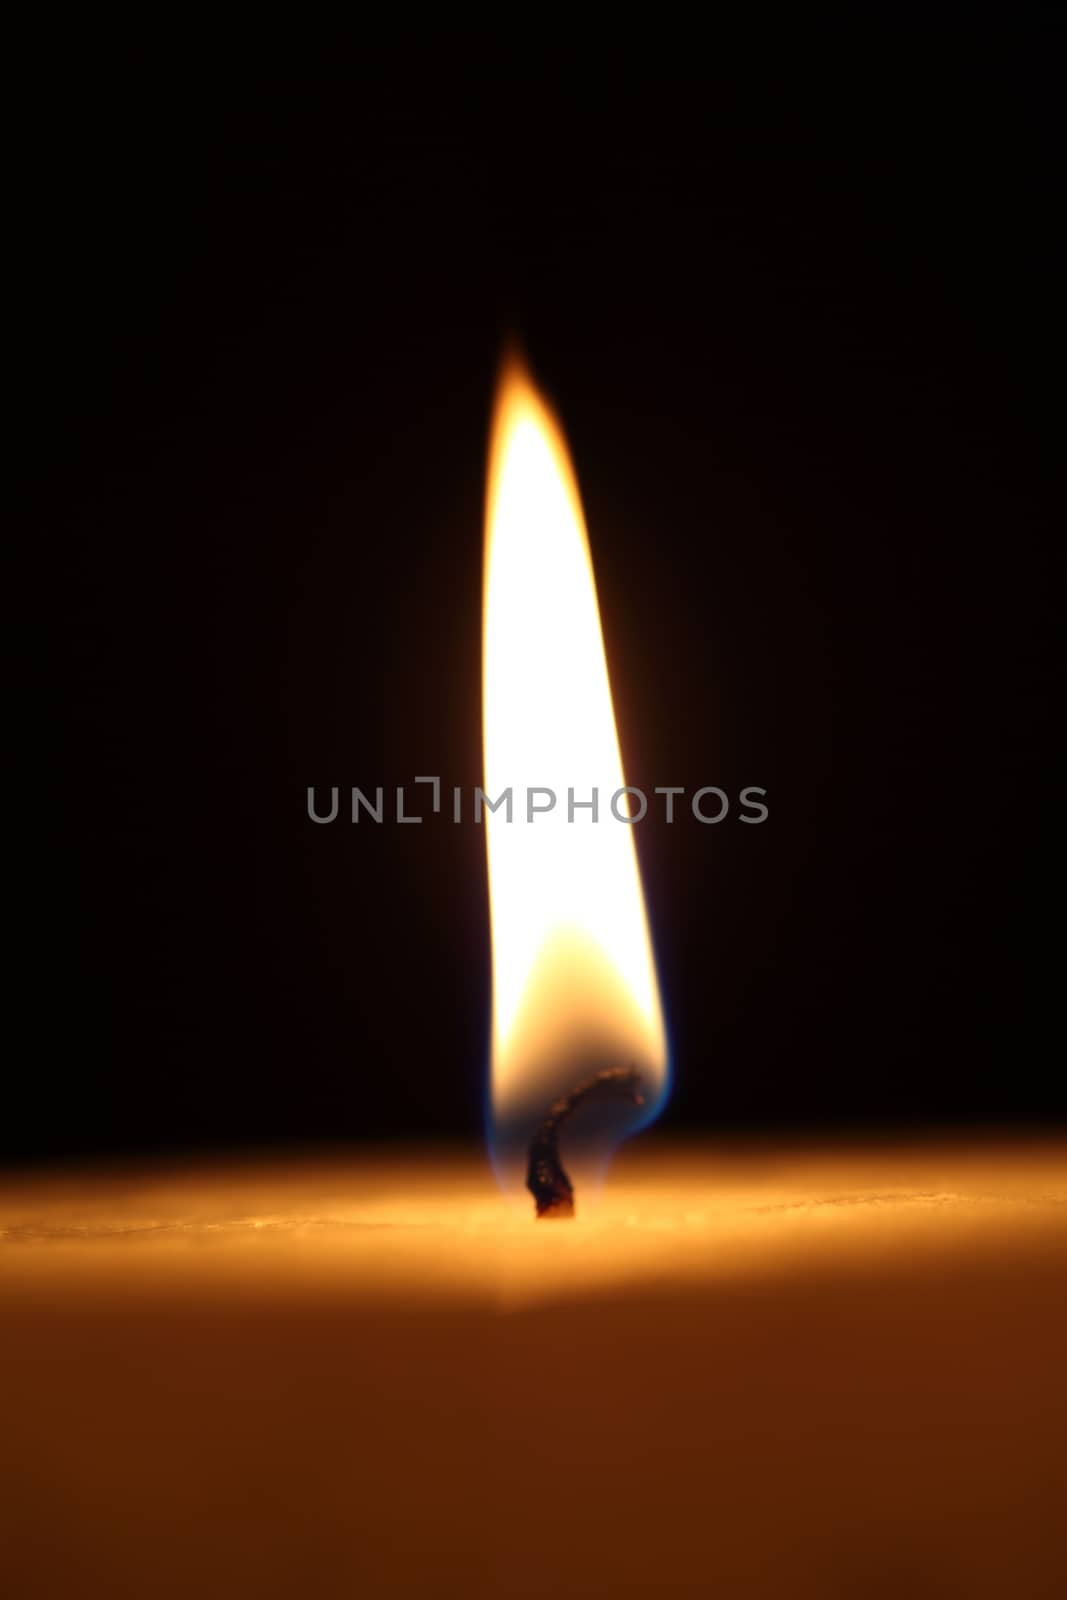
pixel 794 297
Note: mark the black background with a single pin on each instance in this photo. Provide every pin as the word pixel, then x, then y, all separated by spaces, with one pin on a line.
pixel 794 298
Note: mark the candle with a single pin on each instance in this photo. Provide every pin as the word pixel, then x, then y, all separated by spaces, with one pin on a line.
pixel 778 1371
pixel 754 1370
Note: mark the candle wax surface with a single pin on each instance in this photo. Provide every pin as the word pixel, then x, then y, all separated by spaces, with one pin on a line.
pixel 771 1371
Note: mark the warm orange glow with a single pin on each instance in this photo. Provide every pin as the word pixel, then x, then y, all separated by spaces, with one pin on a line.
pixel 574 981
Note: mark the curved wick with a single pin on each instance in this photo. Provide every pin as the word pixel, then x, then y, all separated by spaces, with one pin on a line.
pixel 546 1180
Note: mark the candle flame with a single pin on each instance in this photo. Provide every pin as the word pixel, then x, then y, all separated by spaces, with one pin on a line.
pixel 574 979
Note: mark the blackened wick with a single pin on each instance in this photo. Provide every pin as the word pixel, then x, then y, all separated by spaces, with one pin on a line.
pixel 546 1180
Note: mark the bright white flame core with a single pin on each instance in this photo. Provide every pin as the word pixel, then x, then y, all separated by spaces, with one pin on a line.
pixel 573 970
